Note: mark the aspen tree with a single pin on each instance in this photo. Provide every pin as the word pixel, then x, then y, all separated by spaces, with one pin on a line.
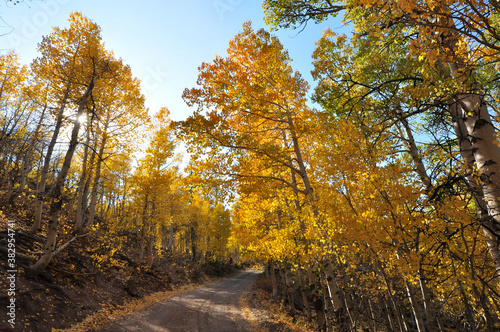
pixel 66 56
pixel 90 66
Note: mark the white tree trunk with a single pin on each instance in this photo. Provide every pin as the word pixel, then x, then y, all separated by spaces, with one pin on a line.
pixel 490 226
pixel 40 197
pixel 56 193
pixel 80 190
pixel 97 176
pixel 28 160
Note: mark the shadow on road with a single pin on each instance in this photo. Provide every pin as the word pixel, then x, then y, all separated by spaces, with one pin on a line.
pixel 211 308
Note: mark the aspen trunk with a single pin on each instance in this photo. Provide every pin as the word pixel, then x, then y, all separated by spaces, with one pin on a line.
pixel 489 225
pixel 389 312
pixel 152 233
pixel 411 146
pixel 80 190
pixel 308 189
pixel 150 251
pixel 491 321
pixel 192 237
pixel 432 316
pixel 303 292
pixel 333 295
pixel 29 154
pixel 328 323
pixel 97 175
pixel 6 174
pixel 144 227
pixel 471 116
pixel 474 116
pixel 333 291
pixel 348 306
pixel 399 315
pixel 40 197
pixel 289 290
pixel 273 280
pixel 87 184
pixel 56 192
pixel 170 245
pixel 414 305
pixel 372 314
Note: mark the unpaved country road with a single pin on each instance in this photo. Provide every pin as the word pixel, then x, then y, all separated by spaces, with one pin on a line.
pixel 211 308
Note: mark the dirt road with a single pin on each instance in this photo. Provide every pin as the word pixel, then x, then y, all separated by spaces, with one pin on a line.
pixel 211 308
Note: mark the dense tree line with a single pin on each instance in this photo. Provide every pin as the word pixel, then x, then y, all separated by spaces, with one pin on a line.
pixel 80 155
pixel 379 210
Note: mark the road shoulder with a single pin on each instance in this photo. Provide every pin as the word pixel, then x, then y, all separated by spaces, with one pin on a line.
pixel 263 314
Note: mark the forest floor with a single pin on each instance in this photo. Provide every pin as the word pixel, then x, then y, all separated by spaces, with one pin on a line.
pixel 263 314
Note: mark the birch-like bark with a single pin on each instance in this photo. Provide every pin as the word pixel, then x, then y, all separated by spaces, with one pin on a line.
pixel 431 315
pixel 80 189
pixel 308 189
pixel 27 162
pixel 273 280
pixel 333 289
pixel 372 314
pixel 303 292
pixel 286 279
pixel 11 125
pixel 489 225
pixel 97 176
pixel 414 305
pixel 170 244
pixel 56 190
pixel 9 155
pixel 474 127
pixel 397 308
pixel 40 196
pixel 411 146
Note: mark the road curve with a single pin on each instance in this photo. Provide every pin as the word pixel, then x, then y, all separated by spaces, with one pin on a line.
pixel 212 308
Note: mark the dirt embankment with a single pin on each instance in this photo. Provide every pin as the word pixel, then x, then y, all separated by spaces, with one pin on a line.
pixel 72 288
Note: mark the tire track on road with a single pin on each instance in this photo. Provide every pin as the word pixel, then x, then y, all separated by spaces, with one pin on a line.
pixel 213 308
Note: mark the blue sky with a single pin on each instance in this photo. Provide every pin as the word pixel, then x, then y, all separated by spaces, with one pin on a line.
pixel 164 42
